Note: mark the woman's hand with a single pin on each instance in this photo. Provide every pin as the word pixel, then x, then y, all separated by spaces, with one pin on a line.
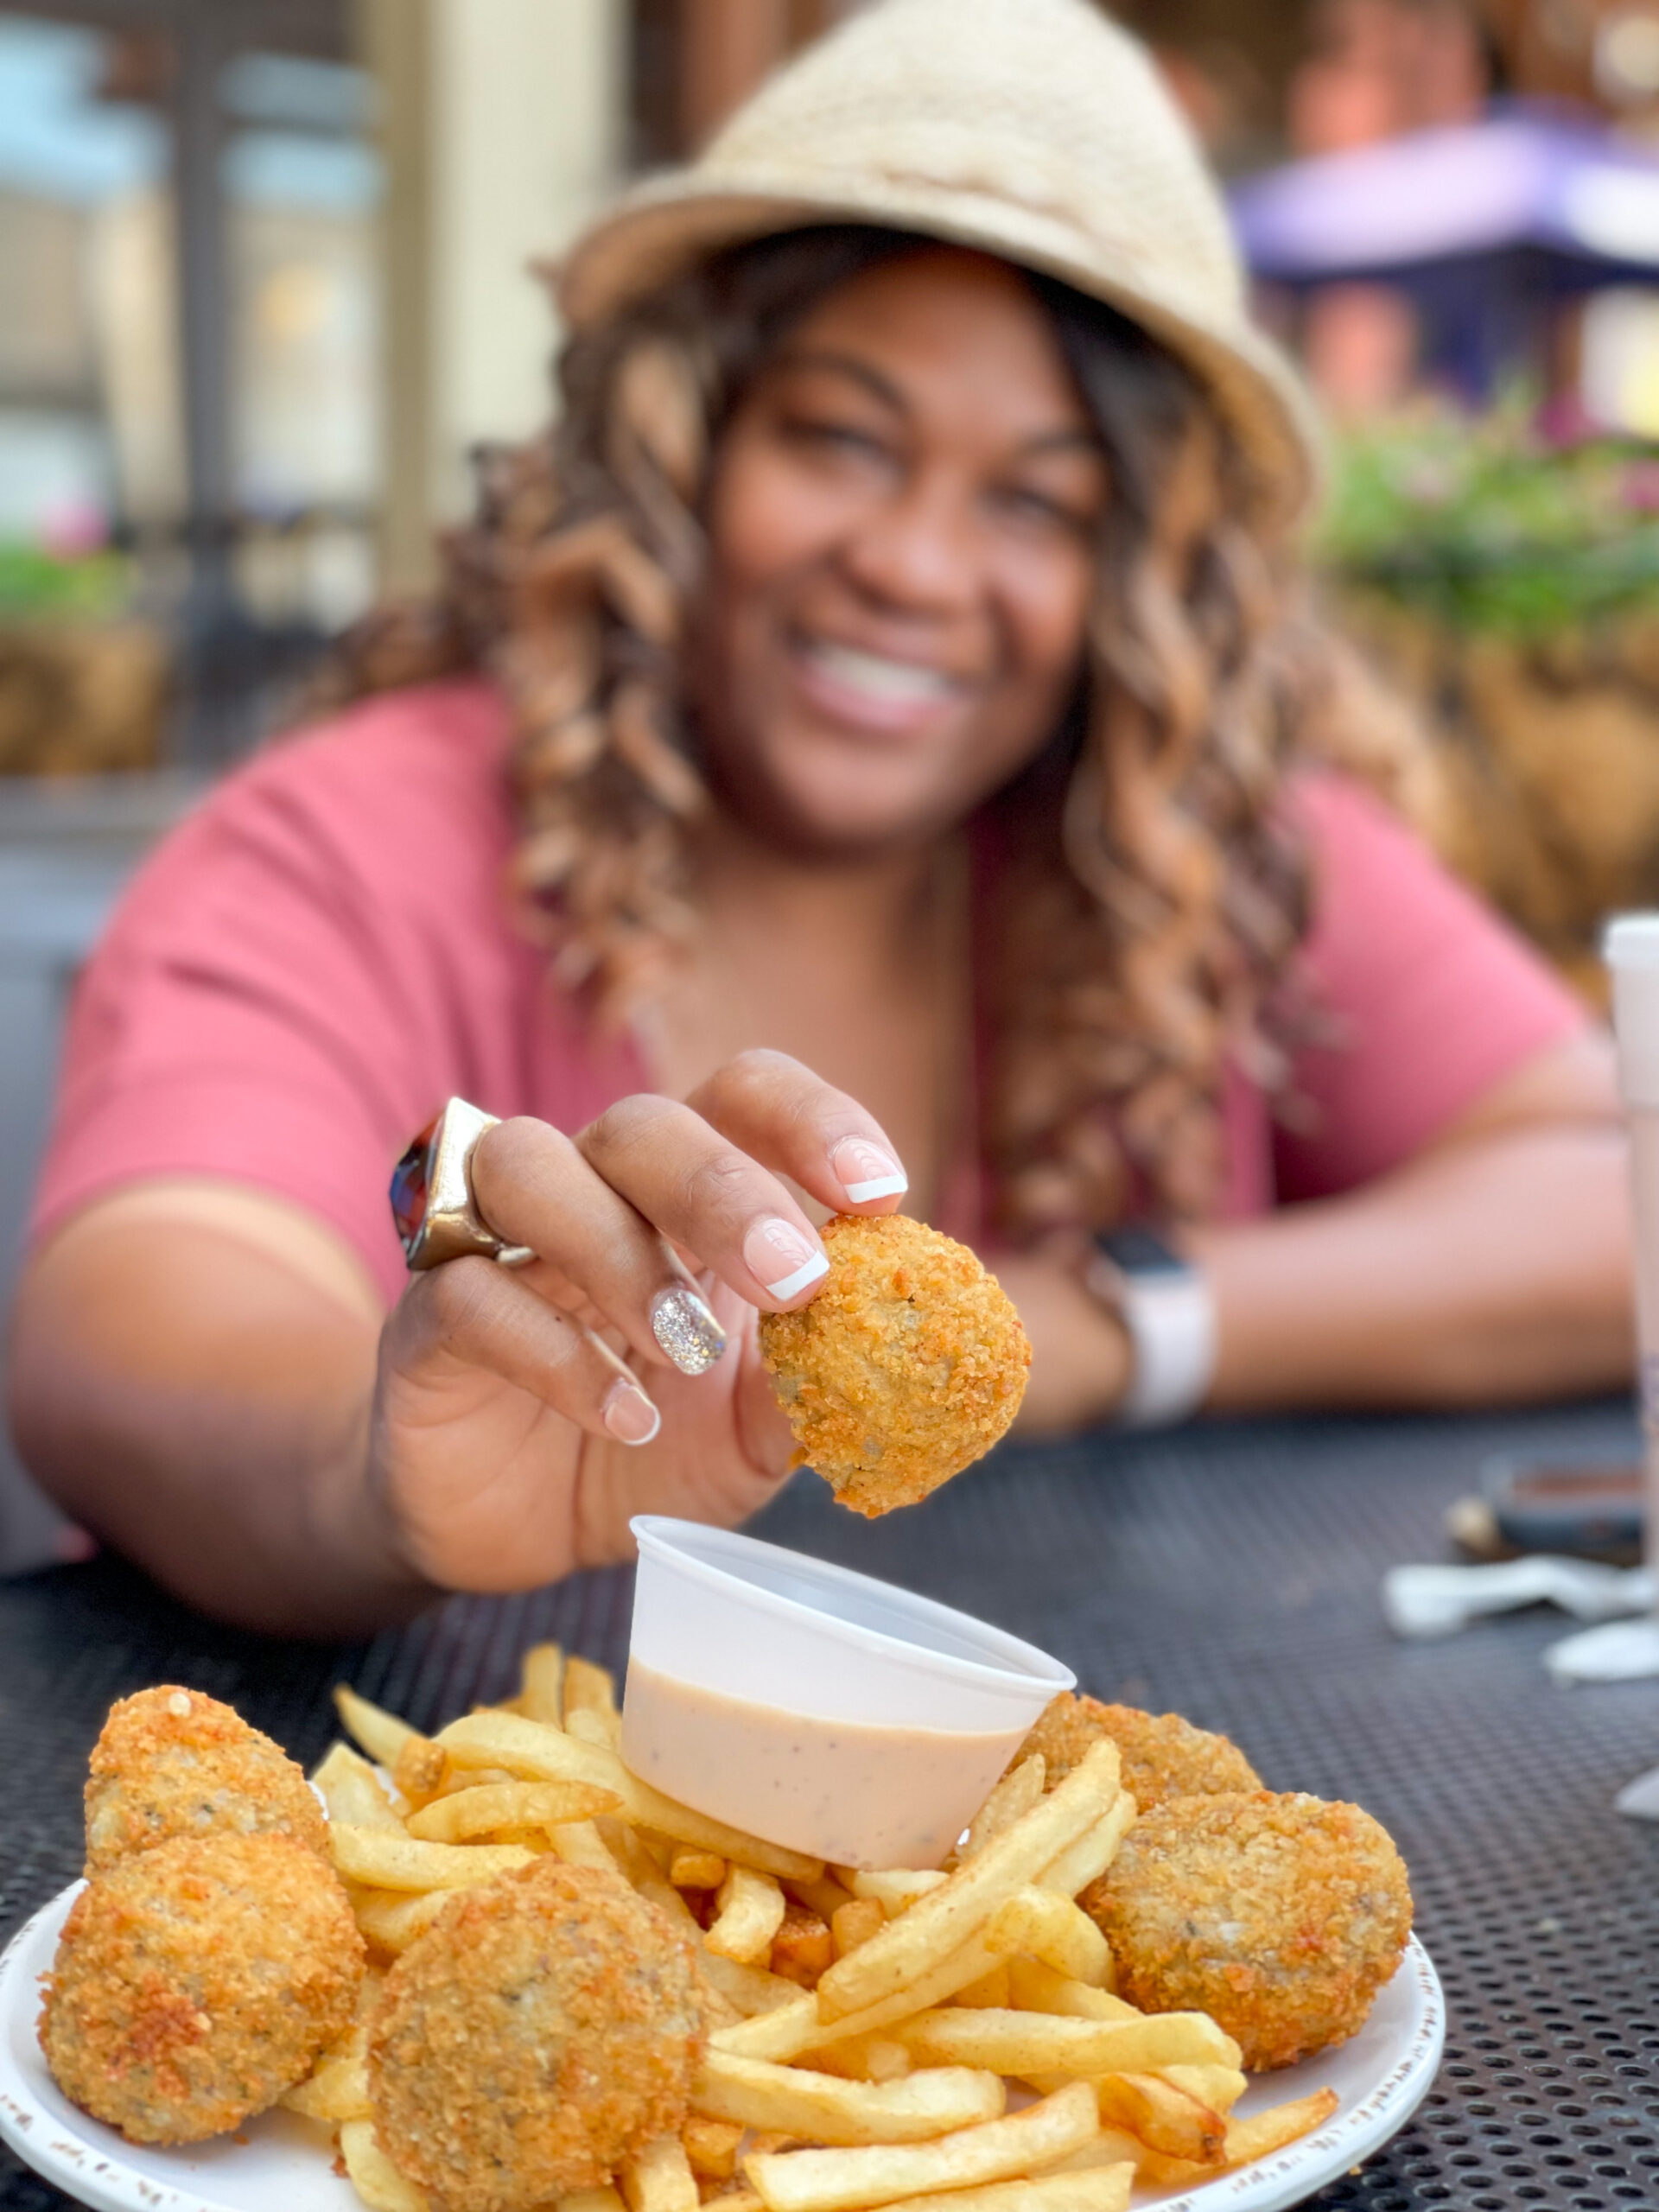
pixel 521 1417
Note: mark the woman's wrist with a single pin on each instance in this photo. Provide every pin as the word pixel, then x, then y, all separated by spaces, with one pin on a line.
pixel 1081 1357
pixel 356 1530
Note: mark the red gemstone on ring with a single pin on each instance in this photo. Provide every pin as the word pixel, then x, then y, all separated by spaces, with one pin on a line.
pixel 411 1185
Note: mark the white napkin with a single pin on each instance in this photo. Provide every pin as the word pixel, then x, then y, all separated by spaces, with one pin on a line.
pixel 1640 1798
pixel 1430 1601
pixel 1622 1651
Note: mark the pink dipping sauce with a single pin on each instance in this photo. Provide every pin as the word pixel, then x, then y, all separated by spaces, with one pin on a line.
pixel 891 1795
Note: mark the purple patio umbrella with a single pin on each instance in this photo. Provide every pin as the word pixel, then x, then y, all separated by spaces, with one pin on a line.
pixel 1519 180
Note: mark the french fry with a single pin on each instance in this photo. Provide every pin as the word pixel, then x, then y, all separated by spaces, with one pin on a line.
pixel 393 1919
pixel 899 1889
pixel 1113 2146
pixel 541 1676
pixel 591 1689
pixel 944 1920
pixel 352 1791
pixel 473 1777
pixel 846 2180
pixel 822 1896
pixel 1041 1924
pixel 538 1753
pixel 337 2087
pixel 659 2178
pixel 1095 2189
pixel 629 1851
pixel 711 2146
pixel 579 1843
pixel 1219 2086
pixel 385 1861
pixel 1087 1860
pixel 590 1727
pixel 1025 2043
pixel 1265 2133
pixel 828 2108
pixel 374 2177
pixel 695 1869
pixel 751 1990
pixel 1014 1795
pixel 464 1814
pixel 1037 1988
pixel 991 1988
pixel 382 1734
pixel 1163 2117
pixel 751 1912
pixel 602 2199
pixel 421 1768
pixel 865 2059
pixel 856 1921
pixel 793 2030
pixel 803 1947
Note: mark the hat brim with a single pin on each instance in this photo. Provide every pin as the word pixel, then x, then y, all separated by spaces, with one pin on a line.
pixel 669 224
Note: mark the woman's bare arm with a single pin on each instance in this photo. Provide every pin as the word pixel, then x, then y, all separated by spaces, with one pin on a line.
pixel 192 1368
pixel 1493 1269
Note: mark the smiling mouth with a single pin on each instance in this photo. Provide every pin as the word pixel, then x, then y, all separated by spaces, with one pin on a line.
pixel 898 685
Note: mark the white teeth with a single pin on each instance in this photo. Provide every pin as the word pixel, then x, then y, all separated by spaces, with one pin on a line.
pixel 898 681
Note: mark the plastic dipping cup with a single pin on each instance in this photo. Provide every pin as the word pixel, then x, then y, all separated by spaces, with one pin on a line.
pixel 816 1707
pixel 1632 951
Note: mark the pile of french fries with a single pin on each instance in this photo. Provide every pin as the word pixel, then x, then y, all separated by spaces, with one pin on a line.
pixel 868 2027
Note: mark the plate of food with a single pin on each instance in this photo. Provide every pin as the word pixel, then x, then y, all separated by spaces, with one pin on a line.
pixel 509 1975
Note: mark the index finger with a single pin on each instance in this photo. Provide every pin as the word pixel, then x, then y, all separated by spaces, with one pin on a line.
pixel 777 1111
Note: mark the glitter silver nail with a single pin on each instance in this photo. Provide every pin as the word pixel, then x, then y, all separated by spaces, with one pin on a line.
pixel 686 1330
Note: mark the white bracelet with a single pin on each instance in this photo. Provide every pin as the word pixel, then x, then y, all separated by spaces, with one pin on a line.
pixel 1171 1320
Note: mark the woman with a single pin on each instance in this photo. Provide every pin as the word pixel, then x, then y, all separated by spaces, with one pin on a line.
pixel 883 696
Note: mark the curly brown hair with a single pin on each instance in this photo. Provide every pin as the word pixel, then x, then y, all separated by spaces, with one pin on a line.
pixel 1148 893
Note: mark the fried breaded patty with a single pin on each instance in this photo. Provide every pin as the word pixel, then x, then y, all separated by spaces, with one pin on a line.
pixel 171 1762
pixel 1280 1916
pixel 1163 1755
pixel 544 2028
pixel 906 1367
pixel 195 1982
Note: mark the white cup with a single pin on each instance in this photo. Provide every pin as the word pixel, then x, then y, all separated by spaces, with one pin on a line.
pixel 816 1707
pixel 1631 949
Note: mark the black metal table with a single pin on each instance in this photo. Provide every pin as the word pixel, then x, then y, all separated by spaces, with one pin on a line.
pixel 1230 1573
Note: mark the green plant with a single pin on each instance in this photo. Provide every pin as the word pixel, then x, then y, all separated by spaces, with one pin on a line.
pixel 1487 523
pixel 35 583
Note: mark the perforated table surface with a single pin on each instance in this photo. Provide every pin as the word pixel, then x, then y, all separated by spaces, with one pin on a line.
pixel 1230 1573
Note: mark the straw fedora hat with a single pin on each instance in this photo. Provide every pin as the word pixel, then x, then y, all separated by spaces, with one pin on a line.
pixel 1034 130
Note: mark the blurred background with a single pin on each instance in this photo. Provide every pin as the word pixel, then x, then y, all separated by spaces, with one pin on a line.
pixel 264 279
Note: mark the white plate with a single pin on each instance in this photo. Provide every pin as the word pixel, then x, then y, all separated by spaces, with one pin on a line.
pixel 282 2163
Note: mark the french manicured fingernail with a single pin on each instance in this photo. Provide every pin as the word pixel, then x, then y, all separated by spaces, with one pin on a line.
pixel 866 1172
pixel 686 1330
pixel 777 1253
pixel 629 1414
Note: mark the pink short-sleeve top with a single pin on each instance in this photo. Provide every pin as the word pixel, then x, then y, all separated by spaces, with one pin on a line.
pixel 316 958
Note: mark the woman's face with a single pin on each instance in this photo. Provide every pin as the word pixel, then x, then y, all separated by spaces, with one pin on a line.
pixel 902 521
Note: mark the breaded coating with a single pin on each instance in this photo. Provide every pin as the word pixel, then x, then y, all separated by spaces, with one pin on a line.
pixel 545 2026
pixel 171 1762
pixel 1280 1916
pixel 196 1982
pixel 1163 1755
pixel 906 1367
